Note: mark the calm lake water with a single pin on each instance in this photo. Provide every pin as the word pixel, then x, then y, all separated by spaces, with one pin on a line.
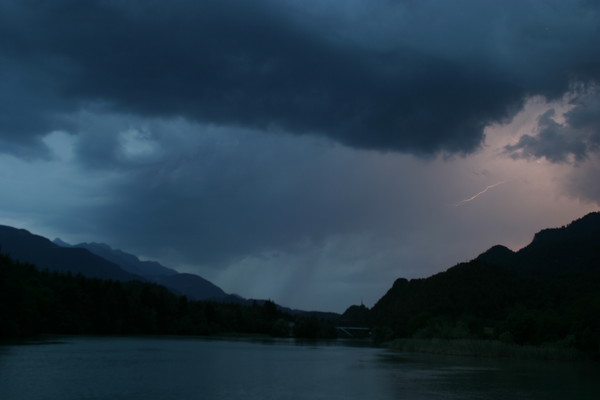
pixel 170 368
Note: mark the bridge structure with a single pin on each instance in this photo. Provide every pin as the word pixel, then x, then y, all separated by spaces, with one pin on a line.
pixel 354 331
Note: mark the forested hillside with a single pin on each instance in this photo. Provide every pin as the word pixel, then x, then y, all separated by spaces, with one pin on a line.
pixel 545 294
pixel 34 302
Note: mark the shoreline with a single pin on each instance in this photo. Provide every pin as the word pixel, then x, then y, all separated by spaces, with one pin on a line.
pixel 486 349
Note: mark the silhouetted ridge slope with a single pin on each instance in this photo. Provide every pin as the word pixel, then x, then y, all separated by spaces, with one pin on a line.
pixel 27 247
pixel 574 248
pixel 128 262
pixel 546 293
pixel 98 260
pixel 358 316
pixel 193 286
pixel 34 302
pixel 498 255
pixel 190 285
pixel 473 289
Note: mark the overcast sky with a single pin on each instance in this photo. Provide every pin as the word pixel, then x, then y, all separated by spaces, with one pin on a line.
pixel 310 152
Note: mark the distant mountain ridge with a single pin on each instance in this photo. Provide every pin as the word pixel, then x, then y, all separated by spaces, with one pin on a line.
pixel 128 262
pixel 573 248
pixel 190 285
pixel 96 260
pixel 27 247
pixel 99 260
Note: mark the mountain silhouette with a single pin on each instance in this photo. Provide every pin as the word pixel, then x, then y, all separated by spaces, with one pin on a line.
pixel 99 260
pixel 95 260
pixel 128 262
pixel 24 246
pixel 574 248
pixel 547 292
pixel 193 286
pixel 190 285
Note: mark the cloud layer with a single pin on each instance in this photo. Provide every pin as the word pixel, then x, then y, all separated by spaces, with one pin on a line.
pixel 571 140
pixel 303 150
pixel 427 77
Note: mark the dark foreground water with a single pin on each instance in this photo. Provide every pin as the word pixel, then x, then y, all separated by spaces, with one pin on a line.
pixel 185 368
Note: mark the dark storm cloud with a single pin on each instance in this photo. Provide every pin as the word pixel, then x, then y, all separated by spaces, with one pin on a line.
pixel 429 80
pixel 217 201
pixel 572 140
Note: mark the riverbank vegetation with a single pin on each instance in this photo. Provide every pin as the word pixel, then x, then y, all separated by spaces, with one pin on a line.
pixel 487 348
pixel 540 302
pixel 36 302
pixel 483 309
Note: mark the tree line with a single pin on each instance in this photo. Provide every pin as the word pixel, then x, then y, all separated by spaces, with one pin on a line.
pixel 478 300
pixel 36 302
